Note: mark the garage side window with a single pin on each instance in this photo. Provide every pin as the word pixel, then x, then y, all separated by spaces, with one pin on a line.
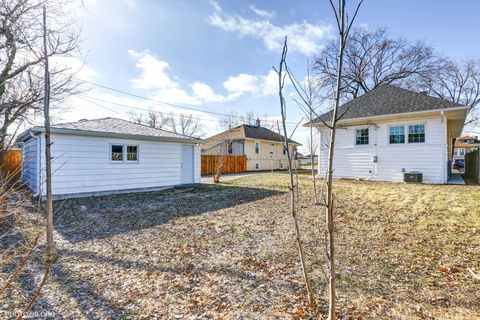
pixel 132 153
pixel 117 152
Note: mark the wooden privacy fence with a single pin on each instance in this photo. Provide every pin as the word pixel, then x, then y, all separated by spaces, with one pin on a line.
pixel 231 164
pixel 472 166
pixel 12 165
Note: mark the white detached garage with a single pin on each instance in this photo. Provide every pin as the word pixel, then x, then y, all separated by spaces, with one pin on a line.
pixel 102 156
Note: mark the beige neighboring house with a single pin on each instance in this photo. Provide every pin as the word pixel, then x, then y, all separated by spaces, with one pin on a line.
pixel 262 147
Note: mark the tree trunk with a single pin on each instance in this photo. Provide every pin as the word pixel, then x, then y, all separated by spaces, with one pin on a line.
pixel 312 160
pixel 51 251
pixel 292 187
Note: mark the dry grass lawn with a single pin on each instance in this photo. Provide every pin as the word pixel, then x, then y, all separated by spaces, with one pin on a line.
pixel 227 252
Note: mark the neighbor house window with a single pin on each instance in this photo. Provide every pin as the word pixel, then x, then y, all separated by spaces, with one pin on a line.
pixel 117 152
pixel 257 147
pixel 230 148
pixel 257 165
pixel 397 134
pixel 361 136
pixel 132 153
pixel 416 133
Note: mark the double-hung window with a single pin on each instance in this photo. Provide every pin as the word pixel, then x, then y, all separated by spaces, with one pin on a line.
pixel 416 133
pixel 397 134
pixel 361 136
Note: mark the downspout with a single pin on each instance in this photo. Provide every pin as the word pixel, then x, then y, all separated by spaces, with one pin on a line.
pixel 37 174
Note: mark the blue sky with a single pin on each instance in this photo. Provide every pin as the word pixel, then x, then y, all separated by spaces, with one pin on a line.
pixel 218 55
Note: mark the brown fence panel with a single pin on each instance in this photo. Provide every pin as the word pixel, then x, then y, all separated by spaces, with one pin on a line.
pixel 12 165
pixel 231 164
pixel 472 166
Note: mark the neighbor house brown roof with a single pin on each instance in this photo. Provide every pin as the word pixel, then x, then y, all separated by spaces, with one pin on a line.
pixel 387 99
pixel 245 131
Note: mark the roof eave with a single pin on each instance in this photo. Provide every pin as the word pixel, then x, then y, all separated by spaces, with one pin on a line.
pixel 388 116
pixel 110 135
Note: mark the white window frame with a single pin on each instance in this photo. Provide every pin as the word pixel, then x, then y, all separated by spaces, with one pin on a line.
pixel 257 165
pixel 255 147
pixel 407 131
pixel 124 152
pixel 405 137
pixel 110 152
pixel 355 136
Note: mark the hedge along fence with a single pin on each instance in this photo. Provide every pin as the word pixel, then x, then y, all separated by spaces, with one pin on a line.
pixel 12 165
pixel 231 164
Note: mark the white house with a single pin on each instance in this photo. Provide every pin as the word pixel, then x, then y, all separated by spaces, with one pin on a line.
pixel 390 131
pixel 109 155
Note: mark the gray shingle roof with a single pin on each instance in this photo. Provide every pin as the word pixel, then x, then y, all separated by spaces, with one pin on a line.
pixel 387 99
pixel 114 126
pixel 245 131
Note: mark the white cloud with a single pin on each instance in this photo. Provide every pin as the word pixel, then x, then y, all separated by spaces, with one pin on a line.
pixel 254 84
pixel 156 78
pixel 304 37
pixel 154 72
pixel 74 66
pixel 262 13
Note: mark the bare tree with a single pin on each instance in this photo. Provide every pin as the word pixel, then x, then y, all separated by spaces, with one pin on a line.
pixel 293 188
pixel 51 251
pixel 458 82
pixel 373 58
pixel 308 99
pixel 344 27
pixel 21 53
pixel 234 119
pixel 184 124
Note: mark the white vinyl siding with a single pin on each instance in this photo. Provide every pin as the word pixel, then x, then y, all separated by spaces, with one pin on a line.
pixel 29 163
pixel 357 161
pixel 82 164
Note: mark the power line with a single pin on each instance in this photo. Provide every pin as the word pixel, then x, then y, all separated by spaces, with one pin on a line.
pixel 168 103
pixel 89 99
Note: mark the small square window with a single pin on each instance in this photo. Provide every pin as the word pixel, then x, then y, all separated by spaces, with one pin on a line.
pixel 361 136
pixel 257 165
pixel 416 133
pixel 117 152
pixel 230 148
pixel 397 135
pixel 132 153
